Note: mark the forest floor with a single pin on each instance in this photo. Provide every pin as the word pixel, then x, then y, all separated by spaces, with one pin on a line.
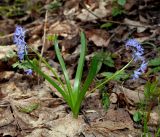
pixel 107 24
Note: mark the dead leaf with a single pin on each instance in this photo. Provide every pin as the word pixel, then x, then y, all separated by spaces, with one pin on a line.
pixel 99 37
pixel 132 96
pixel 115 120
pixel 6 50
pixel 100 12
pixel 139 27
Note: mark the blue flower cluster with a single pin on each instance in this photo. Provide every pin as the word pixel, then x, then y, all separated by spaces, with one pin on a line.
pixel 19 36
pixel 19 40
pixel 138 52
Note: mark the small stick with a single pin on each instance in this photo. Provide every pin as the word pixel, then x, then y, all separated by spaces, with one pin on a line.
pixel 44 40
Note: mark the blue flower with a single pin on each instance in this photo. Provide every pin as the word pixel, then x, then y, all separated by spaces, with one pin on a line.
pixel 136 74
pixel 143 66
pixel 136 47
pixel 138 52
pixel 28 71
pixel 19 40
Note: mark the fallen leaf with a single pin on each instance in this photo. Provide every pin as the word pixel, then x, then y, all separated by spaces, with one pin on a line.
pixel 115 120
pixel 139 26
pixel 132 96
pixel 99 12
pixel 99 37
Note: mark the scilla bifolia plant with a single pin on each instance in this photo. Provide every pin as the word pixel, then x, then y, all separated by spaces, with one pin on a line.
pixel 72 94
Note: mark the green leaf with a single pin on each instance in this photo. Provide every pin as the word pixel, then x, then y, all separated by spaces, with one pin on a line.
pixel 109 61
pixel 106 58
pixel 154 62
pixel 22 65
pixel 48 66
pixel 78 76
pixel 110 78
pixel 137 116
pixel 155 70
pixel 151 89
pixel 49 79
pixel 116 11
pixel 61 61
pixel 54 5
pixel 105 100
pixel 29 108
pixel 123 75
pixel 122 2
pixel 92 73
pixel 106 25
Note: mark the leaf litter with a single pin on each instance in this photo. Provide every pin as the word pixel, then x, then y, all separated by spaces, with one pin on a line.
pixel 28 109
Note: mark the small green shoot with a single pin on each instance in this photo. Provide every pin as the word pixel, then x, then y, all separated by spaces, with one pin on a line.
pixel 54 5
pixel 121 76
pixel 117 11
pixel 106 25
pixel 137 116
pixel 105 100
pixel 121 2
pixel 28 109
pixel 22 65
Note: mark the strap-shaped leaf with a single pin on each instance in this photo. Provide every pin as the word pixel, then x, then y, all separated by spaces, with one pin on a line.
pixel 49 67
pixel 61 61
pixel 92 73
pixel 49 79
pixel 79 71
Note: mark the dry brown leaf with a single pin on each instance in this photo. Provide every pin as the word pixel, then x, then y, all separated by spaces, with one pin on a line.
pixel 67 126
pixel 139 27
pixel 115 120
pixel 65 29
pixel 99 37
pixel 6 117
pixel 132 96
pixel 129 4
pixel 6 75
pixel 100 12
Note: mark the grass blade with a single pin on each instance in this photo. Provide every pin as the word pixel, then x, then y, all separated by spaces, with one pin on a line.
pixel 49 67
pixel 92 73
pixel 48 78
pixel 61 61
pixel 79 68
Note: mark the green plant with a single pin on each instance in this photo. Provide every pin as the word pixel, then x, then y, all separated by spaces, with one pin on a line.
pixel 105 99
pixel 121 76
pixel 106 25
pixel 121 2
pixel 137 116
pixel 154 65
pixel 117 11
pixel 73 94
pixel 151 97
pixel 55 5
pixel 22 65
pixel 118 7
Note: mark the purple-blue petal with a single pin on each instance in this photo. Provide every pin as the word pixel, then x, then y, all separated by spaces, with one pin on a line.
pixel 28 71
pixel 137 55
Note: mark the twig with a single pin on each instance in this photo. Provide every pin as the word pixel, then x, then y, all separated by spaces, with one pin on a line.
pixel 44 34
pixel 111 21
pixel 44 40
